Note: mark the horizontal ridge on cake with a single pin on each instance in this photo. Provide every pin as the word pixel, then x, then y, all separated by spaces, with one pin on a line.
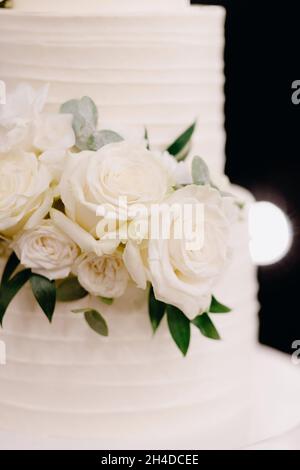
pixel 147 65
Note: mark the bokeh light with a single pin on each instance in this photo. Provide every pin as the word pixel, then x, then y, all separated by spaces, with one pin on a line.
pixel 271 233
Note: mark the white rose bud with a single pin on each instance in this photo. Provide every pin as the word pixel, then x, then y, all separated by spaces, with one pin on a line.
pixel 25 194
pixel 183 273
pixel 104 276
pixel 46 250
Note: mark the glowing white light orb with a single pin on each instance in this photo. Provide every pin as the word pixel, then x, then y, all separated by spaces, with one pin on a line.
pixel 270 233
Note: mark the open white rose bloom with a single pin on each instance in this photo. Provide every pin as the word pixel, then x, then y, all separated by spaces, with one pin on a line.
pixel 117 222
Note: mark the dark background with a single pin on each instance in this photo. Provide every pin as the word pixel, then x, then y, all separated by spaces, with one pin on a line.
pixel 262 58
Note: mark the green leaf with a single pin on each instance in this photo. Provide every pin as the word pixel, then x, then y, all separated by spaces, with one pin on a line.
pixel 106 300
pixel 11 265
pixel 100 138
pixel 206 326
pixel 85 118
pixel 217 307
pixel 200 172
pixel 96 322
pixel 70 289
pixel 80 310
pixel 9 290
pixel 240 205
pixel 146 137
pixel 179 146
pixel 44 291
pixel 85 108
pixel 180 329
pixel 157 309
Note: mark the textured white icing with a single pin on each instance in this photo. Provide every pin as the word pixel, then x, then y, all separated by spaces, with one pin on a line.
pixel 65 380
pixel 97 6
pixel 156 70
pixel 161 70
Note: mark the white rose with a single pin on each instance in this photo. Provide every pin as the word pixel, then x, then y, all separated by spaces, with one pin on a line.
pixel 17 116
pixel 135 258
pixel 229 196
pixel 46 250
pixel 4 248
pixel 182 274
pixel 180 172
pixel 93 182
pixel 53 131
pixel 25 193
pixel 23 125
pixel 104 276
pixel 55 161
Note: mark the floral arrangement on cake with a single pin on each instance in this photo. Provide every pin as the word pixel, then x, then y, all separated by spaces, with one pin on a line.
pixel 76 208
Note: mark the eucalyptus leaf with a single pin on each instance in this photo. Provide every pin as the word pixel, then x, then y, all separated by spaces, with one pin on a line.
pixel 10 267
pixel 70 289
pixel 85 118
pixel 85 107
pixel 179 148
pixel 44 291
pixel 157 310
pixel 10 289
pixel 217 307
pixel 95 321
pixel 200 172
pixel 206 326
pixel 100 138
pixel 180 329
pixel 106 300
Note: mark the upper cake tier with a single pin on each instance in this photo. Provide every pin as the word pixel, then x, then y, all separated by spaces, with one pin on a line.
pixel 97 6
pixel 161 69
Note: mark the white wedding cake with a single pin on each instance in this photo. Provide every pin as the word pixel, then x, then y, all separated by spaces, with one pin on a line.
pixel 156 64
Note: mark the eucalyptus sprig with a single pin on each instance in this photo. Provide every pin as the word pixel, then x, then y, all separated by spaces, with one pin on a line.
pixel 85 121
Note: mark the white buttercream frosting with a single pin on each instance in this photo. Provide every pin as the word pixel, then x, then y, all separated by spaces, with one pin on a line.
pixel 156 70
pixel 97 6
pixel 63 379
pixel 160 70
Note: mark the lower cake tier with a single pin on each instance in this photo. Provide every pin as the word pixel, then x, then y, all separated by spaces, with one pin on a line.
pixel 132 389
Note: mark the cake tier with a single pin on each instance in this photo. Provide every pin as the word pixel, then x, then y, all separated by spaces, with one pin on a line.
pixel 96 6
pixel 64 380
pixel 159 70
